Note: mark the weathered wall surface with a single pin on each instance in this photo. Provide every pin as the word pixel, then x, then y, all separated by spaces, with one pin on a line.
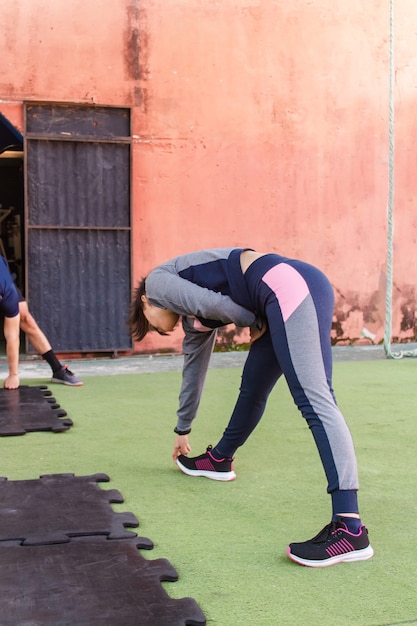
pixel 257 123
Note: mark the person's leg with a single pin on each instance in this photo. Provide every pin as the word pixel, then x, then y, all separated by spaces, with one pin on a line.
pixel 304 320
pixel 260 373
pixel 42 346
pixel 299 308
pixel 32 330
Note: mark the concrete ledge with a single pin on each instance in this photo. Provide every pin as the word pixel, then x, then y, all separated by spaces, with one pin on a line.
pixel 37 368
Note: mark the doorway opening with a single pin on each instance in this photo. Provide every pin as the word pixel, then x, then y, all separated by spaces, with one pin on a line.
pixel 12 200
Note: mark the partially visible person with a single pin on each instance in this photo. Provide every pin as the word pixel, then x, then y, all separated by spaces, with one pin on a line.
pixel 17 317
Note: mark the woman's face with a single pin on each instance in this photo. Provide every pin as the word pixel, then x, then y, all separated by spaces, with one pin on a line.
pixel 162 320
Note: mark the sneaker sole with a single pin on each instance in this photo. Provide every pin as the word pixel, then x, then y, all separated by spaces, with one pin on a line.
pixel 63 382
pixel 347 557
pixel 222 476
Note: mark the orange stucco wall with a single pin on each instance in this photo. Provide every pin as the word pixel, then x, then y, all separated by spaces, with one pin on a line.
pixel 261 123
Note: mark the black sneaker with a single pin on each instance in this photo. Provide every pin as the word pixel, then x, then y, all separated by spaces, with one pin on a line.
pixel 206 465
pixel 66 377
pixel 334 544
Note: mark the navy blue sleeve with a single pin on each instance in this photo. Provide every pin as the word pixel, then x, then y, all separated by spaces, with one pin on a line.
pixel 9 299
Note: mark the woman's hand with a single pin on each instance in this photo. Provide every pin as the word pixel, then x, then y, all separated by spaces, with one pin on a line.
pixel 256 332
pixel 181 446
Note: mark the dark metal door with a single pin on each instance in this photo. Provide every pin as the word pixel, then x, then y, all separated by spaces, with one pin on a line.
pixel 78 225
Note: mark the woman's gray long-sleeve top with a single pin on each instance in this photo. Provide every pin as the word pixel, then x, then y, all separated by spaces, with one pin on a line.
pixel 204 288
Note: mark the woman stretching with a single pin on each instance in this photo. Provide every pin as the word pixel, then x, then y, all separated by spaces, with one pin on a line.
pixel 288 305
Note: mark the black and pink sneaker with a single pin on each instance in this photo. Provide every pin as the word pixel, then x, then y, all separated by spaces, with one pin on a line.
pixel 206 465
pixel 334 544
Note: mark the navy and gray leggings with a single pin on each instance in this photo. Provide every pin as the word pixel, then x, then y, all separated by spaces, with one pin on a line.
pixel 297 301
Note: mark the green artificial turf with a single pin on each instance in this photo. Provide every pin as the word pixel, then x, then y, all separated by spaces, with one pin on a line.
pixel 227 540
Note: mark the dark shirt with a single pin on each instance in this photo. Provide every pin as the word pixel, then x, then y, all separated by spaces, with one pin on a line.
pixel 9 299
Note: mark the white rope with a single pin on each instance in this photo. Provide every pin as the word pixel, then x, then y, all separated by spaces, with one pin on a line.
pixel 390 217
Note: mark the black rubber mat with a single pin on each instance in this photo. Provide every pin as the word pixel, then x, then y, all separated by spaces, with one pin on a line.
pixel 29 409
pixel 89 582
pixel 56 507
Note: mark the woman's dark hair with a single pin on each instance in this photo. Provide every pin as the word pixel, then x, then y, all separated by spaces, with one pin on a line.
pixel 138 324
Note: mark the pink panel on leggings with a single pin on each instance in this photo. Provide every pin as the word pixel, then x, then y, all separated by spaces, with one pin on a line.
pixel 289 287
